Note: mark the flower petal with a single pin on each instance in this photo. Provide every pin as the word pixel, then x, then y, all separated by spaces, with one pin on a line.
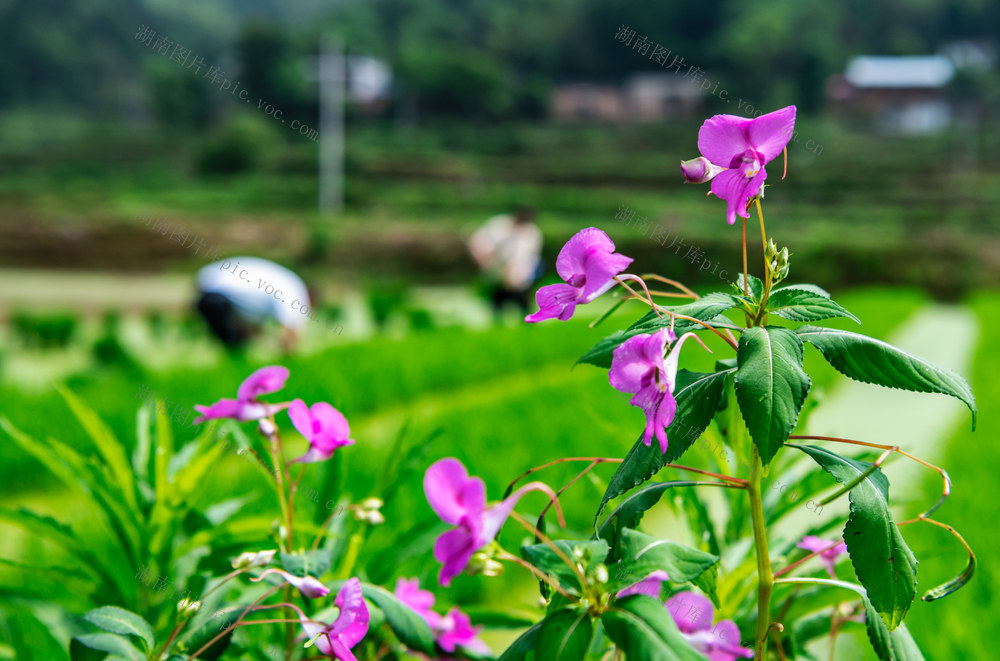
pixel 723 138
pixel 634 359
pixel 572 259
pixel 692 612
pixel 453 549
pixel 351 624
pixel 451 493
pixel 600 269
pixel 224 408
pixel 770 133
pixel 732 186
pixel 460 632
pixel 301 418
pixel 651 586
pixel 263 381
pixel 555 301
pixel 330 420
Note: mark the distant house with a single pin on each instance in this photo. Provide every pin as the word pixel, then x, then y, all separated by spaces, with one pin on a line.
pixel 642 97
pixel 902 94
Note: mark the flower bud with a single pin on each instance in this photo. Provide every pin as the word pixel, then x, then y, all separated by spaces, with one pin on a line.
pixel 601 573
pixel 251 559
pixel 187 608
pixel 483 563
pixel 699 170
pixel 368 510
pixel 267 428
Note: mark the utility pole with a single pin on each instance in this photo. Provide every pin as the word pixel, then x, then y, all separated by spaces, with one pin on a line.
pixel 332 78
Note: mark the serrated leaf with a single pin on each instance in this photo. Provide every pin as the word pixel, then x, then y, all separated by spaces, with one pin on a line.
pixel 755 288
pixel 883 562
pixel 706 308
pixel 798 304
pixel 565 636
pixel 629 512
pixel 897 645
pixel 771 386
pixel 408 626
pixel 643 554
pixel 645 631
pixel 123 622
pixel 698 396
pixel 869 360
pixel 111 643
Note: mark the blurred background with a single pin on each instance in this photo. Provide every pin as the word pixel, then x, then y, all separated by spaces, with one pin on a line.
pixel 361 144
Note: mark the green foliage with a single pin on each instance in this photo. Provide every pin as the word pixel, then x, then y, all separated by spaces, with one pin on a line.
pixel 565 636
pixel 410 628
pixel 872 361
pixel 645 631
pixel 771 386
pixel 882 561
pixel 245 144
pixel 642 554
pixel 805 303
pixel 47 331
pixel 698 397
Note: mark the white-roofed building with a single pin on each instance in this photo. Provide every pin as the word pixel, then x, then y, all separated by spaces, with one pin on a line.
pixel 902 94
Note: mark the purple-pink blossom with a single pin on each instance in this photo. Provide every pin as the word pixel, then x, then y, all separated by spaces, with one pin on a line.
pixel 247 406
pixel 693 615
pixel 638 367
pixel 651 586
pixel 451 630
pixel 347 630
pixel 323 426
pixel 307 585
pixel 736 150
pixel 829 551
pixel 461 501
pixel 588 263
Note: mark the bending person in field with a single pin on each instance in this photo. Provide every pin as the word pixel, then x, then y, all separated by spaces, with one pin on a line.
pixel 508 249
pixel 238 295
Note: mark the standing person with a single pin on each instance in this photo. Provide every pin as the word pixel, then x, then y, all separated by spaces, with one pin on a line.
pixel 508 249
pixel 238 294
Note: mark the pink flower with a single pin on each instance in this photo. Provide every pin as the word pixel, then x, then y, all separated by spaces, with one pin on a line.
pixel 247 406
pixel 693 615
pixel 650 586
pixel 347 630
pixel 741 147
pixel 461 501
pixel 421 601
pixel 828 551
pixel 323 426
pixel 307 585
pixel 452 630
pixel 588 263
pixel 638 367
pixel 456 630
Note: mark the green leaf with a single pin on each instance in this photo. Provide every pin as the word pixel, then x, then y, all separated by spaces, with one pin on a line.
pixel 312 563
pixel 206 626
pixel 645 631
pixel 107 445
pixel 882 561
pixel 120 621
pixel 869 360
pixel 629 512
pixel 565 636
pixel 798 304
pixel 698 396
pixel 755 288
pixel 770 385
pixel 523 646
pixel 109 642
pixel 592 552
pixel 897 645
pixel 643 554
pixel 706 308
pixel 409 627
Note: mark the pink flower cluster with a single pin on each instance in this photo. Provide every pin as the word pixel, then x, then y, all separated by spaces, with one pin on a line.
pixel 452 630
pixel 323 426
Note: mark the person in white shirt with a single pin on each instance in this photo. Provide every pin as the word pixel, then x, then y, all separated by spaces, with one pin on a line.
pixel 508 249
pixel 237 295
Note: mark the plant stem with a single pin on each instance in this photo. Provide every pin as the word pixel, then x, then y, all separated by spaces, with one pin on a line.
pixel 746 289
pixel 765 579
